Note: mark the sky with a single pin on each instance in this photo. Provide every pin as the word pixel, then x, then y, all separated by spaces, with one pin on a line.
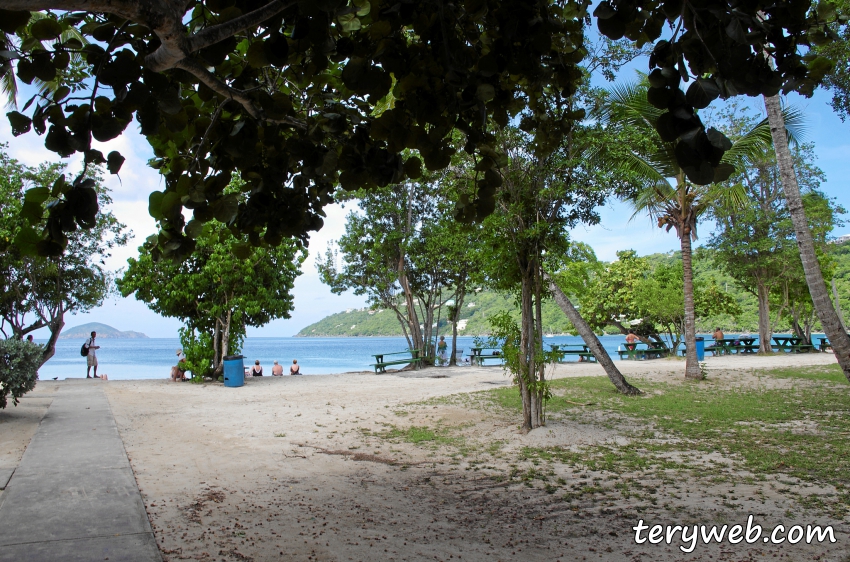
pixel 313 300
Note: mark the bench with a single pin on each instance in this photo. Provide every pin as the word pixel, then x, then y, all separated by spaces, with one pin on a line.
pixel 481 359
pixel 644 353
pixel 802 348
pixel 381 365
pixel 743 348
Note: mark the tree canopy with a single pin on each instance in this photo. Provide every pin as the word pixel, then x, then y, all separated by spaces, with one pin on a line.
pixel 224 286
pixel 297 97
pixel 36 292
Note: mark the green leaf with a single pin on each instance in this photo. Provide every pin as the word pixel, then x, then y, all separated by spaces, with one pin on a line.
pixel 169 201
pixel 27 240
pixel 60 93
pixel 46 28
pixel 194 229
pixel 702 92
pixel 257 55
pixel 20 122
pixel 155 204
pixel 349 22
pixel 242 250
pixel 37 195
pixel 12 20
pixel 486 92
pixel 114 161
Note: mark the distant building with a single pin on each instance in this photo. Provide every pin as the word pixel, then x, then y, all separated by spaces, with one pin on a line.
pixel 840 239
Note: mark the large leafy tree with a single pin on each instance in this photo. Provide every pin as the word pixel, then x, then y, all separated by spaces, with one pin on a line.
pixel 222 287
pixel 284 92
pixel 38 292
pixel 678 205
pixel 403 250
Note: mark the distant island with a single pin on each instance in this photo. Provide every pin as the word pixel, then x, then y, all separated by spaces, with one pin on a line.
pixel 103 331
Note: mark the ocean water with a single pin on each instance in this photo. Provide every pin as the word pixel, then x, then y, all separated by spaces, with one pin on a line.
pixel 153 358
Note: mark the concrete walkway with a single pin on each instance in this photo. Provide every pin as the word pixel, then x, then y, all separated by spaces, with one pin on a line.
pixel 74 496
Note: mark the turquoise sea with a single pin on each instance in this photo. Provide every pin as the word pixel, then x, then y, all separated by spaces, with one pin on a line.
pixel 152 358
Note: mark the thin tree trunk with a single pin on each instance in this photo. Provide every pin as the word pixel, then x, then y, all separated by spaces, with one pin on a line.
pixel 765 333
pixel 528 401
pixel 56 325
pixel 539 366
pixel 590 339
pixel 692 369
pixel 459 296
pixel 412 317
pixel 814 277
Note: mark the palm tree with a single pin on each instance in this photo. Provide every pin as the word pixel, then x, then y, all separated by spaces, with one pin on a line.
pixel 829 319
pixel 676 204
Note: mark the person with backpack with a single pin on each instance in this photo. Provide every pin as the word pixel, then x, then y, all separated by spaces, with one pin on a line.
pixel 88 350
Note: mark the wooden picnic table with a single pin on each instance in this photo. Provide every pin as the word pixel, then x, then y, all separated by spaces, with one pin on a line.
pixel 381 365
pixel 824 344
pixel 478 357
pixel 634 352
pixel 791 343
pixel 580 349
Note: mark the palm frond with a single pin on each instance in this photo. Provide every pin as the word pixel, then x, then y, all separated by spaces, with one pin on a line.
pixel 654 199
pixel 626 103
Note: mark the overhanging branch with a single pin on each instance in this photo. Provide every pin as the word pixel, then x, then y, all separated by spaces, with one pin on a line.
pixel 214 34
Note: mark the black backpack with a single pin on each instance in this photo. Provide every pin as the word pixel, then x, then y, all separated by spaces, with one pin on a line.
pixel 84 351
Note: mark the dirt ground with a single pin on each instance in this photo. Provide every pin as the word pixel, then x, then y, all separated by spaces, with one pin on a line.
pixel 310 468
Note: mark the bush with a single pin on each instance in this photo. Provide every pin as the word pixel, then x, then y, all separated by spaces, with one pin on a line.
pixel 198 348
pixel 19 362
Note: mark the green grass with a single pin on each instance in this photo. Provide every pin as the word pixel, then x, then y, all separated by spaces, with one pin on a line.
pixel 418 435
pixel 802 431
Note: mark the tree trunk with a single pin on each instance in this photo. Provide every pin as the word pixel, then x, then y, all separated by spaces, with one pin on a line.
pixel 590 339
pixel 838 305
pixel 412 317
pixel 765 332
pixel 56 325
pixel 526 337
pixel 814 277
pixel 692 369
pixel 539 365
pixel 459 296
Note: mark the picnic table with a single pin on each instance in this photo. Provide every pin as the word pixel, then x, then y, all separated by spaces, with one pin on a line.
pixel 824 344
pixel 633 352
pixel 583 352
pixel 412 356
pixel 725 346
pixel 748 345
pixel 791 344
pixel 478 357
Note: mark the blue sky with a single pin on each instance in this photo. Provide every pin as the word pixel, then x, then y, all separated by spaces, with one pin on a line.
pixel 313 300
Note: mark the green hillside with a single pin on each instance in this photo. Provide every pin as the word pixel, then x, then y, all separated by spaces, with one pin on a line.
pixel 476 310
pixel 482 305
pixel 103 331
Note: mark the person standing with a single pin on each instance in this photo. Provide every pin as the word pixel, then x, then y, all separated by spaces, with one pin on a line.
pixel 442 348
pixel 91 356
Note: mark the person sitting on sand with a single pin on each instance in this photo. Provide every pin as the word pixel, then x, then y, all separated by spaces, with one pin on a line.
pixel 256 370
pixel 295 369
pixel 277 370
pixel 178 372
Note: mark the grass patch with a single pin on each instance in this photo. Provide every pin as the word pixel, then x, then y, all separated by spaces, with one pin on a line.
pixel 801 431
pixel 418 434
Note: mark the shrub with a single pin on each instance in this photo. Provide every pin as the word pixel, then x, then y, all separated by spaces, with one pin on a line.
pixel 19 362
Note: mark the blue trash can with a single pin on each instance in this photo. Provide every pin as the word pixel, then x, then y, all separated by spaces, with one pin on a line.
pixel 700 349
pixel 234 371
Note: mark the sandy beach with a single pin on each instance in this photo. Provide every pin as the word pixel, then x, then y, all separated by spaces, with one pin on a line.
pixel 309 468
